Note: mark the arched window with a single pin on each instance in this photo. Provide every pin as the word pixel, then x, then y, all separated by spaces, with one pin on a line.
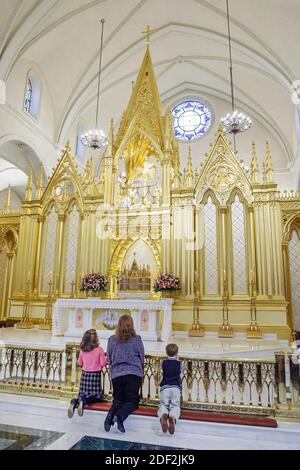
pixel 28 96
pixel 32 95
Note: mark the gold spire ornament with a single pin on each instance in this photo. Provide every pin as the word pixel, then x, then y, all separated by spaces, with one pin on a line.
pixel 7 207
pixel 177 175
pixel 189 171
pixel 264 173
pixel 254 166
pixel 269 165
pixel 39 185
pixel 28 193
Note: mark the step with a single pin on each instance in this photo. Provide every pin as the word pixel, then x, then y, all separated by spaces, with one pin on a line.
pixel 207 416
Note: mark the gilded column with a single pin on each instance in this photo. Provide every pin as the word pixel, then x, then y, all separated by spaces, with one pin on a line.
pixel 6 285
pixel 287 282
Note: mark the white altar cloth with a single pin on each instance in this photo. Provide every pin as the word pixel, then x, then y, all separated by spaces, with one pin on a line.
pixel 72 317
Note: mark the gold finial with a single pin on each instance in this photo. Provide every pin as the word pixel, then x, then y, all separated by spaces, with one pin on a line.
pixel 7 201
pixel 254 165
pixel 39 185
pixel 148 33
pixel 28 192
pixel 269 165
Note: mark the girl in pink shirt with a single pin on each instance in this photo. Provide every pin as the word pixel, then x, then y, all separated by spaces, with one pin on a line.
pixel 92 359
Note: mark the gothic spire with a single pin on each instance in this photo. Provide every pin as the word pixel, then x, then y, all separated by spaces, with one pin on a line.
pixel 269 165
pixel 254 166
pixel 189 173
pixel 7 200
pixel 39 185
pixel 28 192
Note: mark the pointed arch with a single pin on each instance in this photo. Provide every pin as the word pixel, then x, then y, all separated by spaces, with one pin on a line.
pixel 209 193
pixel 123 246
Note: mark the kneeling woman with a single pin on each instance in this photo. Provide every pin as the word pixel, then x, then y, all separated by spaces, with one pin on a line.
pixel 125 354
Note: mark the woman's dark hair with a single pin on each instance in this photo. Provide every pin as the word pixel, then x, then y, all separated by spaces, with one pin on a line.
pixel 89 340
pixel 125 328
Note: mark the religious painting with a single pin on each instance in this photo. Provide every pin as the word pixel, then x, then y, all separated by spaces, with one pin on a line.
pixel 107 318
pixel 79 319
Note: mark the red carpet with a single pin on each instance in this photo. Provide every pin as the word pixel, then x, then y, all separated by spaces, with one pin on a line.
pixel 209 416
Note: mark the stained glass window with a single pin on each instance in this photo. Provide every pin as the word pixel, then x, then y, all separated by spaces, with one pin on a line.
pixel 28 96
pixel 192 119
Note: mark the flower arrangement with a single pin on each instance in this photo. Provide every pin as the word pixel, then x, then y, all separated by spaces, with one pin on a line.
pixel 93 282
pixel 166 282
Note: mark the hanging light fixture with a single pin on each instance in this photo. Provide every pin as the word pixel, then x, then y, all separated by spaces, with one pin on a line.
pixel 235 122
pixel 95 138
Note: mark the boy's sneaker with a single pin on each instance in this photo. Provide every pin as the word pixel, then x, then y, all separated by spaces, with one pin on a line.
pixel 164 423
pixel 80 408
pixel 171 424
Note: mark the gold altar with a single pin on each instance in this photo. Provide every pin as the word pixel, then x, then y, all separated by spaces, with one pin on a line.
pixel 220 221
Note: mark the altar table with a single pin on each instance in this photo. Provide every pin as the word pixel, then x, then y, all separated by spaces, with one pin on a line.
pixel 72 317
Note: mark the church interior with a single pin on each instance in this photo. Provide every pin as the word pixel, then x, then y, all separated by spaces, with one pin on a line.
pixel 150 166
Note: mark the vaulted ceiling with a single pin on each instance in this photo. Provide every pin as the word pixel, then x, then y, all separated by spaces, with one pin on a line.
pixel 189 51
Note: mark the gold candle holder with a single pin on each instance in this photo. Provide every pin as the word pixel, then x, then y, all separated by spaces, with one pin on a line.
pixel 226 330
pixel 253 331
pixel 72 289
pixel 26 323
pixel 197 329
pixel 47 323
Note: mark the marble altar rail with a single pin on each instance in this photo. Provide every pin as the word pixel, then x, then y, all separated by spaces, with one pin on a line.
pixel 236 386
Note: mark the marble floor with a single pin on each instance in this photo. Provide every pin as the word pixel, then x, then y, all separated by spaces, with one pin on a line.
pixel 20 438
pixel 209 346
pixel 50 415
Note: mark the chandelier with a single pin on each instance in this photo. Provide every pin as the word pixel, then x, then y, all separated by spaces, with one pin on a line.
pixel 95 138
pixel 235 122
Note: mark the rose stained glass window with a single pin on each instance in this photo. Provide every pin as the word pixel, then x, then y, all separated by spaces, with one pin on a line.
pixel 192 119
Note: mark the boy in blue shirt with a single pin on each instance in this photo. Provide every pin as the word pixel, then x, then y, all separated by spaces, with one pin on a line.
pixel 170 389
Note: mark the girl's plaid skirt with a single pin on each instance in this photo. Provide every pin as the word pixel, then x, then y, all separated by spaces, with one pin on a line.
pixel 90 385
